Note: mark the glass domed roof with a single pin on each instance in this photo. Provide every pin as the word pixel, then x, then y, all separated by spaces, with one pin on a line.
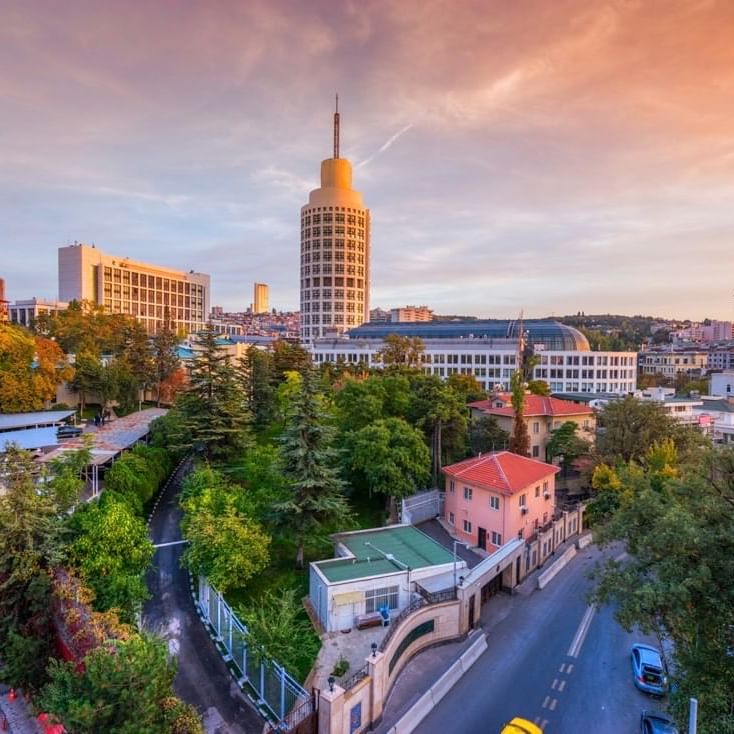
pixel 552 335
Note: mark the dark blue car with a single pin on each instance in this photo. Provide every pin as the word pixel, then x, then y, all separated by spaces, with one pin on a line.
pixel 656 722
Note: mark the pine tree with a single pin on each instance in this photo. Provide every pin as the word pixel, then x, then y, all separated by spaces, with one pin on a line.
pixel 315 494
pixel 215 416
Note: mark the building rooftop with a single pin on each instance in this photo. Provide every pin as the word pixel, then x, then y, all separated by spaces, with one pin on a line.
pixel 14 421
pixel 501 471
pixel 383 551
pixel 546 332
pixel 586 397
pixel 535 405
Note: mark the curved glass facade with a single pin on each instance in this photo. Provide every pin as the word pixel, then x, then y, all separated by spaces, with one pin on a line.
pixel 551 334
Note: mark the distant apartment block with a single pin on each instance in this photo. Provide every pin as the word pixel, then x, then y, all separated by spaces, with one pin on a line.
pixel 25 312
pixel 150 293
pixel 713 332
pixel 411 314
pixel 260 299
pixel 379 316
pixel 722 384
pixel 670 362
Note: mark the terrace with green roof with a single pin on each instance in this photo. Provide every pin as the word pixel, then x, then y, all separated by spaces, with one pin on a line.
pixel 382 551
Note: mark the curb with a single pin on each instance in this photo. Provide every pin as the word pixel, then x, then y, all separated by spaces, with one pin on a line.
pixel 424 705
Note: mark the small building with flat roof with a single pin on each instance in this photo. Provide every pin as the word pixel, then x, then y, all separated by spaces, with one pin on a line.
pixel 32 431
pixel 374 569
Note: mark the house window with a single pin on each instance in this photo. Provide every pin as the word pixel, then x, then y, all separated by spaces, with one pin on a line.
pixel 467 526
pixel 496 538
pixel 545 486
pixel 452 518
pixel 375 599
pixel 468 492
pixel 536 452
pixel 537 491
pixel 536 427
pixel 494 502
pixel 523 500
pixel 451 486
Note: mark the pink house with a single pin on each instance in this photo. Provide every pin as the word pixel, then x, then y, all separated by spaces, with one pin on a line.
pixel 492 498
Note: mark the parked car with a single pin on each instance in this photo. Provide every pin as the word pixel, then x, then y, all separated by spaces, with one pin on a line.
pixel 521 726
pixel 68 431
pixel 648 670
pixel 656 722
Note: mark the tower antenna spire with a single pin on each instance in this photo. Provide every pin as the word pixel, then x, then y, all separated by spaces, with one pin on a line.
pixel 336 128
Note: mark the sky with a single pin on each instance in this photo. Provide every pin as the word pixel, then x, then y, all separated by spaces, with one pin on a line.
pixel 554 157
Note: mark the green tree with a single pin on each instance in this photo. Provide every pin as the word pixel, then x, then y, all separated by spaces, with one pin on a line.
pixel 389 456
pixel 289 357
pixel 467 387
pixel 87 376
pixel 226 545
pixel 278 628
pixel 442 416
pixel 315 497
pixel 485 434
pixel 137 475
pixel 566 443
pixel 256 376
pixel 629 427
pixel 678 581
pixel 32 506
pixel 519 438
pixel 359 403
pixel 125 687
pixel 214 411
pixel 111 550
pixel 539 387
pixel 401 351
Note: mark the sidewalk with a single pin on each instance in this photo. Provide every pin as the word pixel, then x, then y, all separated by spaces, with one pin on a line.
pixel 426 668
pixel 17 715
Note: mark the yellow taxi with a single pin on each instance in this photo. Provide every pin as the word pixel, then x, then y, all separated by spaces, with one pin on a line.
pixel 521 726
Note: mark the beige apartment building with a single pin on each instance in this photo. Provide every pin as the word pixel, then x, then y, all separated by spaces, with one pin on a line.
pixel 150 293
pixel 411 314
pixel 335 252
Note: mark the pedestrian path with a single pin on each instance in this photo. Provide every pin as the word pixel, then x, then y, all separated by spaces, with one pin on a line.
pixel 15 716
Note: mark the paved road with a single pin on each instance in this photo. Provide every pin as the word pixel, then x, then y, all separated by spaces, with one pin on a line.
pixel 202 679
pixel 552 659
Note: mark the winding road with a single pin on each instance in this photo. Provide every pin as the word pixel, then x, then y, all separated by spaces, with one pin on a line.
pixel 202 678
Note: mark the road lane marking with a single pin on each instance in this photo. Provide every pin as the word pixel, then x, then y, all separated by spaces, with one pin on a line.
pixel 562 669
pixel 578 639
pixel 545 703
pixel 561 686
pixel 553 703
pixel 554 684
pixel 543 724
pixel 569 668
pixel 537 719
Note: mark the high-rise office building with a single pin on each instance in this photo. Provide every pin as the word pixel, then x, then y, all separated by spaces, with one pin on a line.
pixel 260 299
pixel 335 252
pixel 150 293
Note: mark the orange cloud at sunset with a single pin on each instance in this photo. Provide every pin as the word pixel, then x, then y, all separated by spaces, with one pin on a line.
pixel 557 155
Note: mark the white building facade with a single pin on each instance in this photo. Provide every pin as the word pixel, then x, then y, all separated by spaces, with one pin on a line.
pixel 492 360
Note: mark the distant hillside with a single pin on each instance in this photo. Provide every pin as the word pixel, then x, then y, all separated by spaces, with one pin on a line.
pixel 613 332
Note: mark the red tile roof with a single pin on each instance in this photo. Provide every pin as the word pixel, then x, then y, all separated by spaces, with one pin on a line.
pixel 501 471
pixel 534 405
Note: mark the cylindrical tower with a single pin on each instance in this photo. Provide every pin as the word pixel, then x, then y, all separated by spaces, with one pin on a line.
pixel 335 252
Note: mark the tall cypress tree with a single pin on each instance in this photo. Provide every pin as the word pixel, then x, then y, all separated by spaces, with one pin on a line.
pixel 519 439
pixel 315 497
pixel 215 415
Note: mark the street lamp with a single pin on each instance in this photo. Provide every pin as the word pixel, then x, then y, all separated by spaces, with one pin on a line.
pixel 457 542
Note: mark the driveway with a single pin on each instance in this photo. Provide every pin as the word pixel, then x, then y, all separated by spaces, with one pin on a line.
pixel 202 678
